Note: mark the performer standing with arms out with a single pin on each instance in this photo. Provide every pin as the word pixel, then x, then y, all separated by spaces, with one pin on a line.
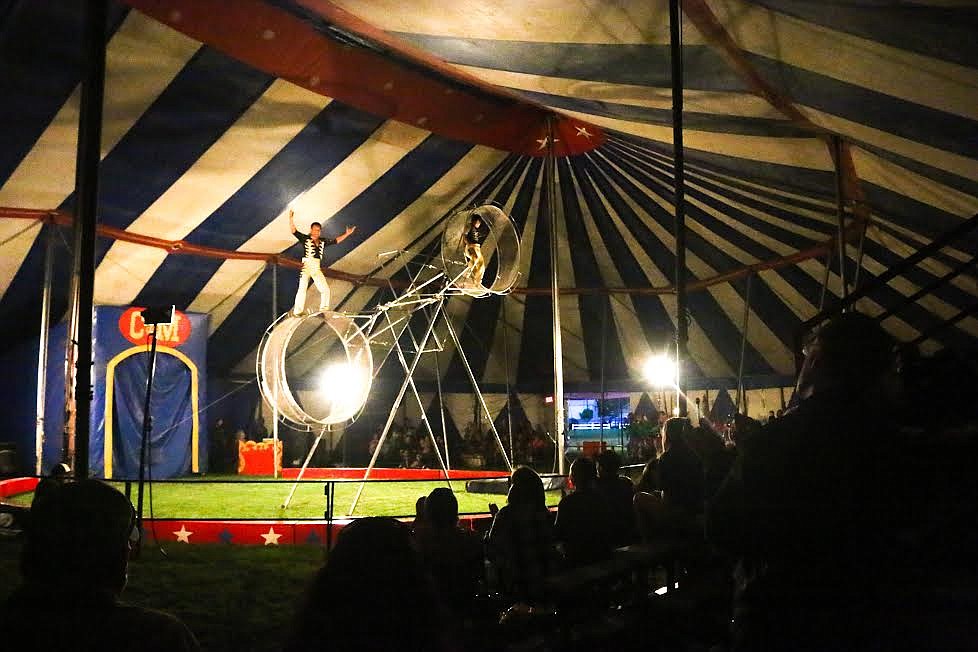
pixel 312 257
pixel 474 236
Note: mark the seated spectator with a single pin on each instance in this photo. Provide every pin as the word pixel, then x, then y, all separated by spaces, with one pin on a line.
pixel 520 542
pixel 812 504
pixel 715 457
pixel 452 557
pixel 371 595
pixel 618 493
pixel 74 566
pixel 648 482
pixel 583 527
pixel 673 509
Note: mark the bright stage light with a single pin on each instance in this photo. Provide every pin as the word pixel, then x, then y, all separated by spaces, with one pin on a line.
pixel 345 386
pixel 660 370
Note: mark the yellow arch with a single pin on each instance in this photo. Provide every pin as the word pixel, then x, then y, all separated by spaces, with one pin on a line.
pixel 109 391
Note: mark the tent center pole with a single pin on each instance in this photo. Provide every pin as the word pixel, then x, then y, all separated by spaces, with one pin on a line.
pixel 682 328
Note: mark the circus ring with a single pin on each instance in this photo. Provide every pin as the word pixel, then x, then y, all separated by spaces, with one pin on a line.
pixel 240 510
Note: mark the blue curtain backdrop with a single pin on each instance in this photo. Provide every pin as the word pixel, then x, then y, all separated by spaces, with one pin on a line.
pixel 171 411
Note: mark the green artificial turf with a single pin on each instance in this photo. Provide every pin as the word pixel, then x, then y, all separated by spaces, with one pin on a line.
pixel 259 498
pixel 239 598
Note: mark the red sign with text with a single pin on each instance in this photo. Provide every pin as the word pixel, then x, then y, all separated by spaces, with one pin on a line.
pixel 134 329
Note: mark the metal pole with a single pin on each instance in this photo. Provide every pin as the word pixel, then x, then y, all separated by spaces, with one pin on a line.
pixel 397 403
pixel 441 408
pixel 42 349
pixel 478 392
pixel 86 217
pixel 305 465
pixel 509 405
pixel 276 466
pixel 859 253
pixel 840 207
pixel 743 347
pixel 682 329
pixel 604 337
pixel 550 179
pixel 825 280
pixel 417 397
pixel 144 443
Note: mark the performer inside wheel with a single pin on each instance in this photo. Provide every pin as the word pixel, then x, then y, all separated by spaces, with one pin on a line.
pixel 474 237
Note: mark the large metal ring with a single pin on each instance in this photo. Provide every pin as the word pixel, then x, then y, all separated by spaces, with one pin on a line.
pixel 501 251
pixel 331 353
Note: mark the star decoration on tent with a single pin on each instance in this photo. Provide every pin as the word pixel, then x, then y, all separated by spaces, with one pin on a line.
pixel 183 534
pixel 582 131
pixel 313 538
pixel 542 142
pixel 225 536
pixel 271 537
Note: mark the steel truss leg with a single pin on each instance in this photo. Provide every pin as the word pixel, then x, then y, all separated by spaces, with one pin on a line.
pixel 302 471
pixel 397 403
pixel 478 392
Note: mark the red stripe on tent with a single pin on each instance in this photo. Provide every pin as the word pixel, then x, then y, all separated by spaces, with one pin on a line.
pixel 392 83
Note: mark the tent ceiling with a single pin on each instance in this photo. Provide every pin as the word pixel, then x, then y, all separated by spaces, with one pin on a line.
pixel 388 115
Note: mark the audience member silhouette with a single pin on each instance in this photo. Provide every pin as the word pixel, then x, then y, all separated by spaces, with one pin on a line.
pixel 618 493
pixel 811 504
pixel 75 566
pixel 521 542
pixel 370 595
pixel 583 527
pixel 672 510
pixel 452 557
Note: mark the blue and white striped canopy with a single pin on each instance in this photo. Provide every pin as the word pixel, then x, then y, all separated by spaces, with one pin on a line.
pixel 215 119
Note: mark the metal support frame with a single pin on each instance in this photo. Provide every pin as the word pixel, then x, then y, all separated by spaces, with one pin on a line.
pixel 741 394
pixel 550 181
pixel 42 351
pixel 145 443
pixel 417 397
pixel 305 465
pixel 478 392
pixel 840 208
pixel 682 327
pixel 86 218
pixel 397 403
pixel 509 406
pixel 276 466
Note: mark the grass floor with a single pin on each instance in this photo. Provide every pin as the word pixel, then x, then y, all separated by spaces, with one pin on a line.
pixel 257 498
pixel 239 598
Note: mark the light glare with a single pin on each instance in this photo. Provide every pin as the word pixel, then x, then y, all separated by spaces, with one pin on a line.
pixel 342 384
pixel 660 370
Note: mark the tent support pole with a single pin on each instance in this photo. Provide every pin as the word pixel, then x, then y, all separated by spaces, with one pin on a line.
pixel 741 397
pixel 682 327
pixel 604 339
pixel 86 218
pixel 840 207
pixel 441 410
pixel 42 349
pixel 509 406
pixel 550 179
pixel 276 465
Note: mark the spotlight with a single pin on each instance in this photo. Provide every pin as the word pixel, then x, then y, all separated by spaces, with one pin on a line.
pixel 344 385
pixel 660 370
